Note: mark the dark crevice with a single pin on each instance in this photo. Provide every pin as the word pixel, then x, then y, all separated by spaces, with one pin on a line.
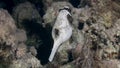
pixel 75 3
pixel 39 6
pixel 8 5
pixel 80 3
pixel 42 34
pixel 70 56
pixel 80 26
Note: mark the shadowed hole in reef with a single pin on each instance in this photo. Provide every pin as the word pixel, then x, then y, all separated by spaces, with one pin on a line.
pixel 43 34
pixel 75 3
pixel 70 57
pixel 8 5
pixel 39 6
pixel 80 3
pixel 80 25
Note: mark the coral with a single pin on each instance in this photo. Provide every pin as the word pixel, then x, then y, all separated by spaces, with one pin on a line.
pixel 111 64
pixel 21 50
pixel 68 66
pixel 12 44
pixel 27 61
pixel 7 35
pixel 107 17
pixel 26 11
pixel 20 35
pixel 48 3
pixel 33 51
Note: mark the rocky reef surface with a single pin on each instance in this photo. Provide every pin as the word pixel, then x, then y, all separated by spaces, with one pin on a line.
pixel 26 42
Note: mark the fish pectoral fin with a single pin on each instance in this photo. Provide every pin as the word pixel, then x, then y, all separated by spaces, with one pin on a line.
pixel 56 32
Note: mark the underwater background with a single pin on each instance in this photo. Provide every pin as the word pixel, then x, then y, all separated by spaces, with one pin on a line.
pixel 26 40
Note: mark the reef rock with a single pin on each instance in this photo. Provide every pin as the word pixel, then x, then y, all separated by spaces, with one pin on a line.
pixel 13 50
pixel 48 3
pixel 26 11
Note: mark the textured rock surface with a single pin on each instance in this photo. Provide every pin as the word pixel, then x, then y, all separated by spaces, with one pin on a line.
pixel 7 36
pixel 27 61
pixel 26 11
pixel 13 51
pixel 48 3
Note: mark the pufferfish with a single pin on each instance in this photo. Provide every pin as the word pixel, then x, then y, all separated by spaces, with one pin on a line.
pixel 62 29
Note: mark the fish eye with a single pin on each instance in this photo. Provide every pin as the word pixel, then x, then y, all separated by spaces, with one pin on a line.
pixel 65 8
pixel 68 9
